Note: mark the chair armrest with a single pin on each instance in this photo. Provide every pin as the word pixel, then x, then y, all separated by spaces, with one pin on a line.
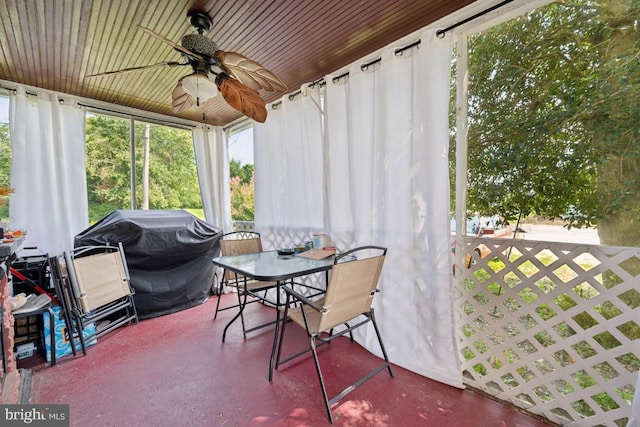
pixel 298 296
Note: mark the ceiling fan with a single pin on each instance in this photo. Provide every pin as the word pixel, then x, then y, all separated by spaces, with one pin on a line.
pixel 235 76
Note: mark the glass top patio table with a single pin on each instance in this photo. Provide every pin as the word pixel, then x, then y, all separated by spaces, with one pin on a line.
pixel 268 266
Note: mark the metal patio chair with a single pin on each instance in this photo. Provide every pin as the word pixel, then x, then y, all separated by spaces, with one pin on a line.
pixel 345 307
pixel 240 243
pixel 96 288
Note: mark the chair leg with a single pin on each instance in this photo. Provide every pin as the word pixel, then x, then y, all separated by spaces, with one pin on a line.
pixel 65 305
pixel 220 288
pixel 79 326
pixel 384 352
pixel 83 343
pixel 241 306
pixel 133 309
pixel 348 327
pixel 52 337
pixel 312 344
pixel 217 307
pixel 68 322
pixel 350 331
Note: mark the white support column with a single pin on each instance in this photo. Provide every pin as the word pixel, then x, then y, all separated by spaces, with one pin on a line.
pixel 462 83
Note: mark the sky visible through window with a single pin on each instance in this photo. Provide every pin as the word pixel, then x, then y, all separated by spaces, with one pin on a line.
pixel 4 109
pixel 241 146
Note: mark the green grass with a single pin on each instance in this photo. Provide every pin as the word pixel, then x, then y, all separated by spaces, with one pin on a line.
pixel 198 213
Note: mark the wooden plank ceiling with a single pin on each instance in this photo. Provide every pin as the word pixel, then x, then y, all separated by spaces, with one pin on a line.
pixel 54 44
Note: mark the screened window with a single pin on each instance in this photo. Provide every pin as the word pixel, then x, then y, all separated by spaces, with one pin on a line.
pixel 156 171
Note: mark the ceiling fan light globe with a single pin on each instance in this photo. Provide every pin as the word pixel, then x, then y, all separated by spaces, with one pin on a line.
pixel 199 87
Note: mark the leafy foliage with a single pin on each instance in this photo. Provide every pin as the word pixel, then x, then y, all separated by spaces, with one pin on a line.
pixel 553 110
pixel 5 164
pixel 173 182
pixel 243 172
pixel 242 196
pixel 108 162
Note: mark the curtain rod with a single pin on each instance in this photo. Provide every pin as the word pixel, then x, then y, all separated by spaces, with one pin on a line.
pixel 163 122
pixel 399 51
pixel 14 90
pixel 95 108
pixel 440 33
pixel 321 81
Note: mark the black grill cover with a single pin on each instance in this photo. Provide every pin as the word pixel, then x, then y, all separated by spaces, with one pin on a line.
pixel 168 255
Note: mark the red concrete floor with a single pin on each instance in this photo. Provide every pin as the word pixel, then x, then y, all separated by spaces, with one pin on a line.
pixel 175 371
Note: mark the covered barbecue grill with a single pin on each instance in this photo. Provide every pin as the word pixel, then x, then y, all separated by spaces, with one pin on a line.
pixel 168 254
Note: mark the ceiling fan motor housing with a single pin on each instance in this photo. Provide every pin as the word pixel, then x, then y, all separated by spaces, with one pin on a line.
pixel 200 21
pixel 199 44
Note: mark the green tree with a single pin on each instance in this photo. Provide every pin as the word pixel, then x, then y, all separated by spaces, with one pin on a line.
pixel 242 199
pixel 173 179
pixel 108 164
pixel 244 172
pixel 5 166
pixel 553 110
pixel 614 122
pixel 241 185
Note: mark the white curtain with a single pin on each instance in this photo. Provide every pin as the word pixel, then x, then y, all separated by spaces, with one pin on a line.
pixel 47 170
pixel 212 163
pixel 388 184
pixel 289 174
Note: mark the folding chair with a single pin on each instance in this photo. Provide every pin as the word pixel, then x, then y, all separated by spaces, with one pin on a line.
pixel 71 317
pixel 239 243
pixel 98 288
pixel 349 297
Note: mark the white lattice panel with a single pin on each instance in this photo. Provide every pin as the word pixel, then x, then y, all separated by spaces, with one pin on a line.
pixel 550 327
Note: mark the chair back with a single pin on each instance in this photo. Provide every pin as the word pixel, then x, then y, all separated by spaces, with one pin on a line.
pixel 239 243
pixel 350 290
pixel 100 278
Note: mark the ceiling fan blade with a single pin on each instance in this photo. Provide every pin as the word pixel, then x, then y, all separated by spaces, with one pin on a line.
pixel 143 67
pixel 249 72
pixel 242 98
pixel 180 100
pixel 171 43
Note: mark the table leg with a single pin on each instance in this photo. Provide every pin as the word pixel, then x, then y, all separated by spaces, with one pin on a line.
pixel 239 313
pixel 275 335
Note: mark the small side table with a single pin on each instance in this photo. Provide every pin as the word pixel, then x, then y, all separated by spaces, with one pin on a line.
pixel 52 325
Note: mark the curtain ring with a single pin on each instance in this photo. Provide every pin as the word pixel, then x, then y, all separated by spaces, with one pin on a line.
pixel 365 67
